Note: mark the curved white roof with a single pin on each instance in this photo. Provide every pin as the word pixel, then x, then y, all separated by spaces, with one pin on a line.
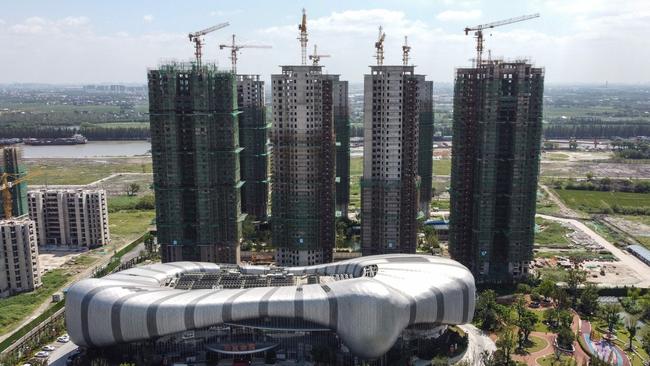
pixel 368 313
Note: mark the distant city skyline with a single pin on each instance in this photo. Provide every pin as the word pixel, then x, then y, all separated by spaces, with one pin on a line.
pixel 78 42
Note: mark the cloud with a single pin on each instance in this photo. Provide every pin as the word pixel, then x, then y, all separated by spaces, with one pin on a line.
pixel 38 25
pixel 147 18
pixel 458 15
pixel 223 13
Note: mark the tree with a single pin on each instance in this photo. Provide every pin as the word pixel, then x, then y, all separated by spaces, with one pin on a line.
pixel 590 176
pixel 565 337
pixel 589 299
pixel 526 324
pixel 430 237
pixel 341 233
pixel 440 361
pixel 645 341
pixel 610 315
pixel 631 325
pixel 576 277
pixel 132 189
pixel 546 288
pixel 488 312
pixel 506 345
pixel 523 288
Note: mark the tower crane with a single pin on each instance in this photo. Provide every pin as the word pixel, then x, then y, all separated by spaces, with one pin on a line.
pixel 197 38
pixel 405 51
pixel 5 186
pixel 478 31
pixel 303 37
pixel 316 57
pixel 234 49
pixel 379 46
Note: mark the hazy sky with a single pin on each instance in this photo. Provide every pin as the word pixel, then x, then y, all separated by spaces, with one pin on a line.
pixel 81 41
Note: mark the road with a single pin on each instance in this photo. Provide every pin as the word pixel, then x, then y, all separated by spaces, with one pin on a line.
pixel 59 356
pixel 640 268
pixel 479 342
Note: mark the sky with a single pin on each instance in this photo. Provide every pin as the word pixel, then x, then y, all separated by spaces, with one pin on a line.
pixel 81 41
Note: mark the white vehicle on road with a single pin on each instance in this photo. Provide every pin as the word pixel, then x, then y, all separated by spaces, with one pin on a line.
pixel 49 348
pixel 42 354
pixel 63 339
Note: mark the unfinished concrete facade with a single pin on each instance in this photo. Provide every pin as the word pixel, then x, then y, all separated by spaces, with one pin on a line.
pixel 11 165
pixel 76 218
pixel 303 171
pixel 195 152
pixel 19 266
pixel 342 133
pixel 253 136
pixel 425 143
pixel 389 186
pixel 495 165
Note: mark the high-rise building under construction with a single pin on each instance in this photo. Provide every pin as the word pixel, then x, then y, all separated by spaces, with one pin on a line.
pixel 425 143
pixel 495 162
pixel 303 171
pixel 14 170
pixel 341 117
pixel 389 187
pixel 195 152
pixel 253 135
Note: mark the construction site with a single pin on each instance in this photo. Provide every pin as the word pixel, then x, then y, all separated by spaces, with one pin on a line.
pixel 497 129
pixel 196 161
pixel 389 187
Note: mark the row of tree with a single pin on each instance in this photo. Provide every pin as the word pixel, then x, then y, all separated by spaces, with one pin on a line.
pixel 92 132
pixel 591 130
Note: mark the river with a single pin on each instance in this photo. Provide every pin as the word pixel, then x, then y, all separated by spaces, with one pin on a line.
pixel 89 150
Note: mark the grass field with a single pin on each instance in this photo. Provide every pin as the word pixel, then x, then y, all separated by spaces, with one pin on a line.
pixel 356 166
pixel 15 308
pixel 557 156
pixel 126 226
pixel 41 107
pixel 442 167
pixel 551 233
pixel 82 171
pixel 593 201
pixel 122 124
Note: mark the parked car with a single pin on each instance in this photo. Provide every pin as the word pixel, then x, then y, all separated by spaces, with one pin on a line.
pixel 42 354
pixel 63 339
pixel 49 348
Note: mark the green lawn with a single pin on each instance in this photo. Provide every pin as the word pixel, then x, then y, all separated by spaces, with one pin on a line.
pixel 129 225
pixel 16 308
pixel 593 201
pixel 442 167
pixel 551 233
pixel 557 156
pixel 356 166
pixel 550 360
pixel 536 344
pixel 80 171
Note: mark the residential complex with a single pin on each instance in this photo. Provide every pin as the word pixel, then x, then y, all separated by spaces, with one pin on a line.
pixel 389 187
pixel 497 131
pixel 14 170
pixel 303 168
pixel 341 117
pixel 19 266
pixel 196 162
pixel 70 217
pixel 425 143
pixel 253 136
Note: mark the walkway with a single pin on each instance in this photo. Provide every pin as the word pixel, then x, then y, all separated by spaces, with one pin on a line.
pixel 478 342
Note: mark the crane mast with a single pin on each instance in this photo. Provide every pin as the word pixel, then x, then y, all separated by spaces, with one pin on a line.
pixel 315 57
pixel 478 32
pixel 405 51
pixel 303 37
pixel 235 48
pixel 379 46
pixel 197 38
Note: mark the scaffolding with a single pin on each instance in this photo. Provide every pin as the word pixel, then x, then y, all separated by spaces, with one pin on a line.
pixel 495 163
pixel 341 117
pixel 253 136
pixel 425 143
pixel 12 165
pixel 195 153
